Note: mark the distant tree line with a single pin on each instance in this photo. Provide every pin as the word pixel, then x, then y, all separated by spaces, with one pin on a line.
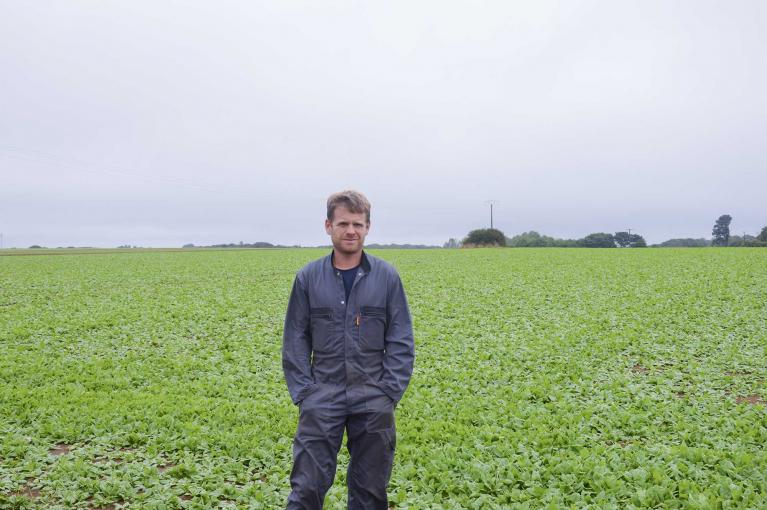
pixel 686 242
pixel 532 239
pixel 258 244
pixel 262 244
pixel 376 246
pixel 452 243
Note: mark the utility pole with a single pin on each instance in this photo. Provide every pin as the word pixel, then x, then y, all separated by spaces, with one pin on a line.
pixel 491 215
pixel 491 202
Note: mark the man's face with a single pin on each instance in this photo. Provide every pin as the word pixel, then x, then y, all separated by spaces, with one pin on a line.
pixel 347 230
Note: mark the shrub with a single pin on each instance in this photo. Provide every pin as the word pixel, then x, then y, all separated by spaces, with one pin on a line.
pixel 485 237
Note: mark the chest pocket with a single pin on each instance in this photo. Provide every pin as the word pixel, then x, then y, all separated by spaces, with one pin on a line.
pixel 321 324
pixel 372 328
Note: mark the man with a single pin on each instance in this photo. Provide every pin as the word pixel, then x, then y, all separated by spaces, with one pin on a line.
pixel 347 354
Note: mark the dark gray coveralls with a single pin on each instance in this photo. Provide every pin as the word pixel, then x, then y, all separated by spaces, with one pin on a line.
pixel 346 365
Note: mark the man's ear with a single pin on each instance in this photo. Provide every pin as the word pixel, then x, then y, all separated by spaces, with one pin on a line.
pixel 328 227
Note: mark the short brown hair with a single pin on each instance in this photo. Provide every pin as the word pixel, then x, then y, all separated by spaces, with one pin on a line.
pixel 353 200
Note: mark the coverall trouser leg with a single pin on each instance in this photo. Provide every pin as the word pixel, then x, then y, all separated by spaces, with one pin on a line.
pixel 371 442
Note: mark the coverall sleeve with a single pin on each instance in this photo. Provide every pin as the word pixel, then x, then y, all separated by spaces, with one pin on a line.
pixel 398 343
pixel 297 344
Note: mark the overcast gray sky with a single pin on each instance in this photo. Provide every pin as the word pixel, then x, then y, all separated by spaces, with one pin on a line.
pixel 160 123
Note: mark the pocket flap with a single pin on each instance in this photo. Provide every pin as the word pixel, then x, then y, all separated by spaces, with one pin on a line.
pixel 321 312
pixel 373 311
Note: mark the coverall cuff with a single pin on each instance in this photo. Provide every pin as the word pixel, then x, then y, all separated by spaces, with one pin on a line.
pixel 394 395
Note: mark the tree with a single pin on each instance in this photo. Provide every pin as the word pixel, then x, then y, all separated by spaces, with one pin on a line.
pixel 684 243
pixel 566 243
pixel 485 237
pixel 622 239
pixel 452 243
pixel 762 235
pixel 744 240
pixel 533 239
pixel 626 240
pixel 528 240
pixel 721 231
pixel 598 240
pixel 637 241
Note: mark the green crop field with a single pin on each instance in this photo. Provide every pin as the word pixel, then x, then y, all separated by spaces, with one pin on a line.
pixel 545 378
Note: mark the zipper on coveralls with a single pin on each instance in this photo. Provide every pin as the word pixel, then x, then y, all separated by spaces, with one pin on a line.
pixel 356 280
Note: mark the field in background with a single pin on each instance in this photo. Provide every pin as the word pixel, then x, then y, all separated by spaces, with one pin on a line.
pixel 544 378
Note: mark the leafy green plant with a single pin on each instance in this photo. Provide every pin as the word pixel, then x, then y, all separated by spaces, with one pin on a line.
pixel 545 378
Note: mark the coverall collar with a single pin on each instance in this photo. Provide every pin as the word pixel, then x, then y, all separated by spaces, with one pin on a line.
pixel 364 262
